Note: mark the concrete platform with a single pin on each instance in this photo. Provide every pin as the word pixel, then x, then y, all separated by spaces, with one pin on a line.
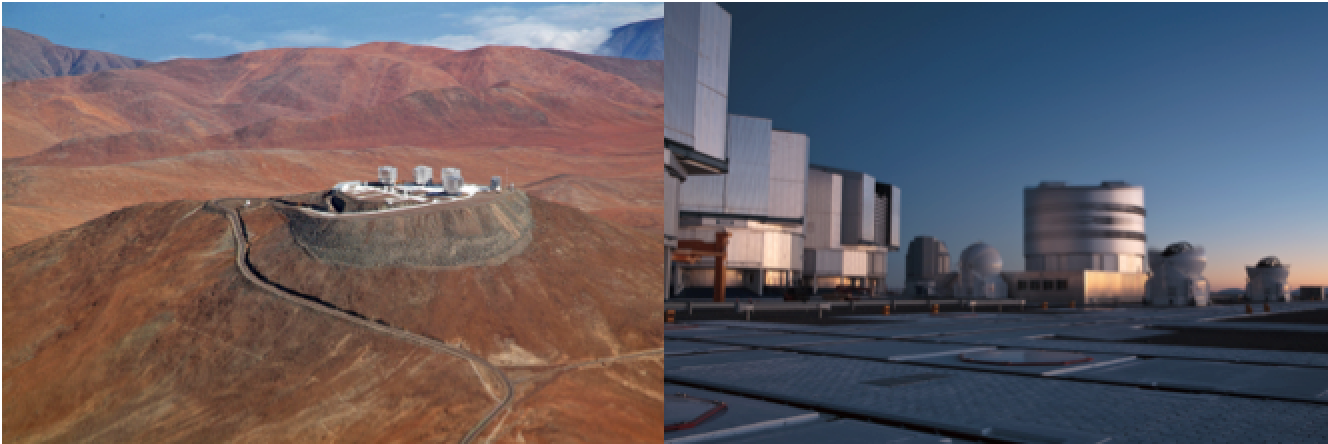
pixel 673 347
pixel 1098 360
pixel 1309 384
pixel 710 359
pixel 967 403
pixel 843 431
pixel 887 350
pixel 780 340
pixel 744 416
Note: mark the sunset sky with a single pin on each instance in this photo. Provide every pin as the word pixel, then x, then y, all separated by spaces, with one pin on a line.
pixel 1220 111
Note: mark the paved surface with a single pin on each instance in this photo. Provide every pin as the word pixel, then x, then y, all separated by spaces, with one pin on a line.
pixel 1138 393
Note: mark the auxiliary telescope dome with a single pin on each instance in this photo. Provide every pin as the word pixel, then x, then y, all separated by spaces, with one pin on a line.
pixel 1269 262
pixel 981 258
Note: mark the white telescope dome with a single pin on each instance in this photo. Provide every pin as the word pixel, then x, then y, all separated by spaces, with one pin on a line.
pixel 1185 258
pixel 981 258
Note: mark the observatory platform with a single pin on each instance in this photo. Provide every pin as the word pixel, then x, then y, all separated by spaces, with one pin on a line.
pixel 908 374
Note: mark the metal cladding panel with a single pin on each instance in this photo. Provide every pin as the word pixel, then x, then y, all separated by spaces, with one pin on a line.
pixel 859 203
pixel 855 263
pixel 893 229
pixel 745 248
pixel 876 264
pixel 823 209
pixel 778 250
pixel 679 91
pixel 1060 222
pixel 747 185
pixel 711 122
pixel 828 262
pixel 713 46
pixel 671 206
pixel 795 252
pixel 702 193
pixel 788 174
pixel 682 32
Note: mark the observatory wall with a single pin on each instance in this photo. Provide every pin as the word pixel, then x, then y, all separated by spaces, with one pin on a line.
pixel 484 230
pixel 1071 228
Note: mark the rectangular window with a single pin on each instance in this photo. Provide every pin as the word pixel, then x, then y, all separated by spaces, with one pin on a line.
pixel 1061 284
pixel 1034 285
pixel 1023 285
pixel 1048 285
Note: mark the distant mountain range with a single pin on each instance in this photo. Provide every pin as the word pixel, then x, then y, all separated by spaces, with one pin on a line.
pixel 643 40
pixel 292 120
pixel 28 56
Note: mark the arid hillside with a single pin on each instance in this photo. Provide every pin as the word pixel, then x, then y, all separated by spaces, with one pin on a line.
pixel 139 326
pixel 28 56
pixel 286 121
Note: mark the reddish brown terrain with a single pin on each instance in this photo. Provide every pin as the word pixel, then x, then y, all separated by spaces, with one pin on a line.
pixel 127 318
pixel 296 120
pixel 139 327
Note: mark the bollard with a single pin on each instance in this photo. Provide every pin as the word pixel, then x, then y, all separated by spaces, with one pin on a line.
pixel 885 309
pixel 935 308
pixel 1248 309
pixel 1071 304
pixel 1044 305
pixel 1266 308
pixel 668 316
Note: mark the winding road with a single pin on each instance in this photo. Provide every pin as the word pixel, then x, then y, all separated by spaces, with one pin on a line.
pixel 242 261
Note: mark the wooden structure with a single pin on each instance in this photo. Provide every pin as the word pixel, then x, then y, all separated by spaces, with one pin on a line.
pixel 691 251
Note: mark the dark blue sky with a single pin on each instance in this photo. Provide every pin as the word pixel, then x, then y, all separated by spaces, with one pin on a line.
pixel 1219 110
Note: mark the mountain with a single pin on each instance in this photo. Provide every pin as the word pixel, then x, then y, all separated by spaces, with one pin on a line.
pixel 28 56
pixel 643 40
pixel 287 121
pixel 151 324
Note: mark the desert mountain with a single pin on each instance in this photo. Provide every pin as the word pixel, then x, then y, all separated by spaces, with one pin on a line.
pixel 289 121
pixel 141 326
pixel 28 56
pixel 643 40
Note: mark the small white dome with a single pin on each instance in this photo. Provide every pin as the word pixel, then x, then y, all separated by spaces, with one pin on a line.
pixel 981 258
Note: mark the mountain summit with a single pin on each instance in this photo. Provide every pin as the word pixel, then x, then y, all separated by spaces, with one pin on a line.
pixel 643 40
pixel 28 56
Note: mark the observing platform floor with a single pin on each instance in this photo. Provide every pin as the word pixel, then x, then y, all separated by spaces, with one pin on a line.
pixel 900 378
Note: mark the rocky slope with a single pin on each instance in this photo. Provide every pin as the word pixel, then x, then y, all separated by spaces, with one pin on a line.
pixel 28 56
pixel 138 327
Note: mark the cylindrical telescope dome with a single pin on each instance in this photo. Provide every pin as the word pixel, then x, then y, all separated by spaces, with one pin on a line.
pixel 387 174
pixel 423 175
pixel 1074 228
pixel 495 183
pixel 451 178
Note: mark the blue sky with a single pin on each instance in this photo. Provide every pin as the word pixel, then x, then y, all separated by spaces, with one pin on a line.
pixel 161 31
pixel 1219 110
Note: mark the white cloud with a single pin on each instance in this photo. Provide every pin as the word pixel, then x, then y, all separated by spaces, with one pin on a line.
pixel 230 42
pixel 304 37
pixel 575 27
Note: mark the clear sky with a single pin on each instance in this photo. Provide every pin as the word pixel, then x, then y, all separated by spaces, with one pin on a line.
pixel 161 31
pixel 1220 111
